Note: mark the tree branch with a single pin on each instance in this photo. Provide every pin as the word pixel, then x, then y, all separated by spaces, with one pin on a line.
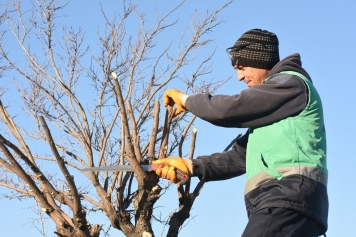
pixel 141 175
pixel 79 215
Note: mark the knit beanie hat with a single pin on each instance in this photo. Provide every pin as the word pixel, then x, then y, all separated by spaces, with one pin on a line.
pixel 255 48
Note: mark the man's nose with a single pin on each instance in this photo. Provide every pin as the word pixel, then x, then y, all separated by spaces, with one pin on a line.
pixel 240 75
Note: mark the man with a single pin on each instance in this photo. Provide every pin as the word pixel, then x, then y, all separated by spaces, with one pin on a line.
pixel 283 152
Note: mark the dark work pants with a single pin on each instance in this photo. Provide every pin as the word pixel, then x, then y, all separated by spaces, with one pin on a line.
pixel 281 222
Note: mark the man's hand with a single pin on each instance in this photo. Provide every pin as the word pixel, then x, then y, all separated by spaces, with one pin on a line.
pixel 172 97
pixel 170 166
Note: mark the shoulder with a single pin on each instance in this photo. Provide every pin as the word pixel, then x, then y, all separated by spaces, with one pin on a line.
pixel 285 81
pixel 282 78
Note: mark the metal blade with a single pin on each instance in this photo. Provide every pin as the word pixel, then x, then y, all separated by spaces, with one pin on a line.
pixel 114 168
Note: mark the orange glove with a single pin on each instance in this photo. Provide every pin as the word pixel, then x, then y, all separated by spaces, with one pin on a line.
pixel 170 166
pixel 172 97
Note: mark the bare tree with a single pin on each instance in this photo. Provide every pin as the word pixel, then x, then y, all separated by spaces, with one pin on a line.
pixel 112 118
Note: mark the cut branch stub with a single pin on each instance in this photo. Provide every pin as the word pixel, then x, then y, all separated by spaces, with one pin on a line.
pixel 184 134
pixel 192 144
pixel 166 129
pixel 135 137
pixel 151 148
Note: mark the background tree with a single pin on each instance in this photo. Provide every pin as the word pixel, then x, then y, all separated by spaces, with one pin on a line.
pixel 68 122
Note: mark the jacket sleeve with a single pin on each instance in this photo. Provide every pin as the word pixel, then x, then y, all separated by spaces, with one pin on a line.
pixel 280 97
pixel 225 165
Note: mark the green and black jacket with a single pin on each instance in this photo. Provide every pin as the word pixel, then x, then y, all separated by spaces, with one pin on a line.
pixel 283 152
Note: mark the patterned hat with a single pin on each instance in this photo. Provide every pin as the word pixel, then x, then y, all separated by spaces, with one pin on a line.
pixel 255 48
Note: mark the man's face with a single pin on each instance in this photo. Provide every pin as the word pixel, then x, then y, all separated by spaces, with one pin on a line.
pixel 250 75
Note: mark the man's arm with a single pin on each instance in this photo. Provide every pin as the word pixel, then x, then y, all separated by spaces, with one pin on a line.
pixel 221 166
pixel 280 97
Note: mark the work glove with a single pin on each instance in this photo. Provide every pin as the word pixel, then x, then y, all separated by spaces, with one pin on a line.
pixel 171 166
pixel 174 96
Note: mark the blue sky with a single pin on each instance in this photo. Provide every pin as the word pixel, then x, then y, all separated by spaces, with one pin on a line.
pixel 323 33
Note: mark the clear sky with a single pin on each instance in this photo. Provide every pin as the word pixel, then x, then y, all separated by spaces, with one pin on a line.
pixel 323 32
